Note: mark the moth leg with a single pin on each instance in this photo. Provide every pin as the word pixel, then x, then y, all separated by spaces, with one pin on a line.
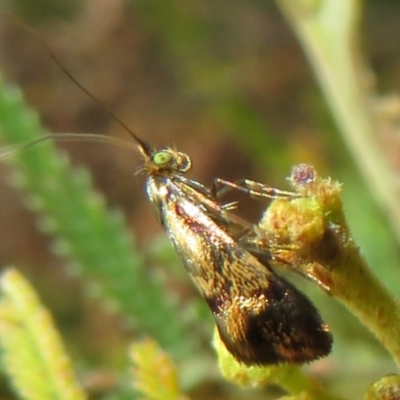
pixel 220 187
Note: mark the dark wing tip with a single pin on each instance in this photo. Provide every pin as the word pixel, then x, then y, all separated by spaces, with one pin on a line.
pixel 282 326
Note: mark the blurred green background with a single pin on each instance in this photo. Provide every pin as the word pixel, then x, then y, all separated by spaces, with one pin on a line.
pixel 227 83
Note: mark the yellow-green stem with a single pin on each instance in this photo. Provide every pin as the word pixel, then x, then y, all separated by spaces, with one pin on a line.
pixel 314 238
pixel 365 296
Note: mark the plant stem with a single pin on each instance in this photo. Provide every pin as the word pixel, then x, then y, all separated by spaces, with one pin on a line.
pixel 316 241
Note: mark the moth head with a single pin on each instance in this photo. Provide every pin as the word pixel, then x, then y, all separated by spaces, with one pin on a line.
pixel 167 161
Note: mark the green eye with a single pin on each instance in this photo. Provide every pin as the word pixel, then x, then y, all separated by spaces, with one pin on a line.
pixel 162 158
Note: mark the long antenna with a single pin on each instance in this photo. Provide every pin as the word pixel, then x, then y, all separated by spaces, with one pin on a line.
pixel 144 146
pixel 74 137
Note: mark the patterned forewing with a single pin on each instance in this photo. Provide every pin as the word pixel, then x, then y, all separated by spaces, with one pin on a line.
pixel 261 318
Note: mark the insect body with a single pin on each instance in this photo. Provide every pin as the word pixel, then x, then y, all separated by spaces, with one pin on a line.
pixel 261 318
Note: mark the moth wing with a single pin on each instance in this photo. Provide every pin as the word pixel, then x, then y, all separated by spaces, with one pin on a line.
pixel 261 318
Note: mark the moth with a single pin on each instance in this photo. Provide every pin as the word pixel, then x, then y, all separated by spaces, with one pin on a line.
pixel 261 318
